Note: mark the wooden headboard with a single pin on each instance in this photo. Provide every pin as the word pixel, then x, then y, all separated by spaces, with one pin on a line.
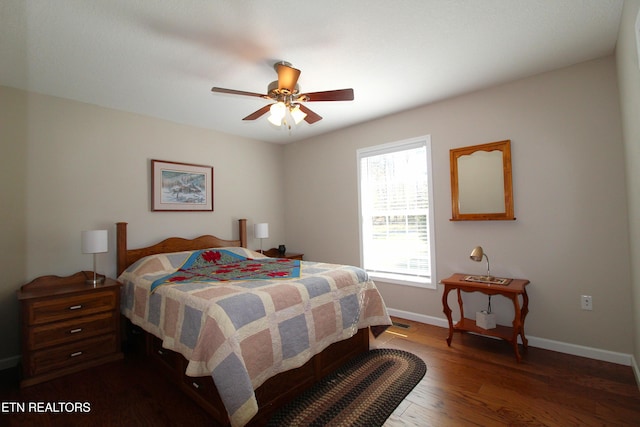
pixel 126 256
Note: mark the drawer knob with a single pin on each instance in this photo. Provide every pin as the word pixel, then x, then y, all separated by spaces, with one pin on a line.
pixel 75 307
pixel 76 354
pixel 75 331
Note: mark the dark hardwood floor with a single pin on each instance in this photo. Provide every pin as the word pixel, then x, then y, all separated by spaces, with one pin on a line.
pixel 476 381
pixel 124 393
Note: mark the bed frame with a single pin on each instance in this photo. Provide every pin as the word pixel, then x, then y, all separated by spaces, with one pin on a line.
pixel 276 391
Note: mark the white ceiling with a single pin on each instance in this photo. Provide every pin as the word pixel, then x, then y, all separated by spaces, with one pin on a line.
pixel 161 58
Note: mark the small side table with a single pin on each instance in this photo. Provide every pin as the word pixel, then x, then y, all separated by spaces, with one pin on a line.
pixel 274 253
pixel 513 290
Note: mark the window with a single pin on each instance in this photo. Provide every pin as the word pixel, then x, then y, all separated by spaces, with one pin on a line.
pixel 396 220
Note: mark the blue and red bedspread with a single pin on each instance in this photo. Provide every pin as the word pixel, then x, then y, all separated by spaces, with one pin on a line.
pixel 242 318
pixel 220 265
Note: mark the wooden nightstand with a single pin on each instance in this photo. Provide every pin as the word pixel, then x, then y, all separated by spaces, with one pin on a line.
pixel 68 326
pixel 274 253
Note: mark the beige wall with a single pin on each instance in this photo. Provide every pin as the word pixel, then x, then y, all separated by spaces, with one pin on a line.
pixel 68 166
pixel 13 221
pixel 629 78
pixel 570 237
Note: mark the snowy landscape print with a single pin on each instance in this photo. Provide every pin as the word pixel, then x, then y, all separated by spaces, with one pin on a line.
pixel 183 187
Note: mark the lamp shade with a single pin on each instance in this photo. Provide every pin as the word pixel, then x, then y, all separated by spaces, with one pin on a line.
pixel 477 253
pixel 95 241
pixel 261 230
pixel 278 111
pixel 297 114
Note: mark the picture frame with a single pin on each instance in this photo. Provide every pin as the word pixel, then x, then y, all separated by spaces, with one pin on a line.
pixel 181 187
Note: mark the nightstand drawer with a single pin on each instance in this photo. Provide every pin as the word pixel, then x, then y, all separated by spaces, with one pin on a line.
pixel 51 310
pixel 68 355
pixel 51 334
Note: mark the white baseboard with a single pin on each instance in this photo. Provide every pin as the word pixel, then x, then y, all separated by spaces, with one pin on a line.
pixel 561 347
pixel 636 370
pixel 416 317
pixel 580 350
pixel 9 362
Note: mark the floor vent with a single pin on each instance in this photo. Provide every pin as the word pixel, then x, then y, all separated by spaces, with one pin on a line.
pixel 401 325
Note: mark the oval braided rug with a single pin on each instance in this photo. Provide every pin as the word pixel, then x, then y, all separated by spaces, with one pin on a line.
pixel 364 392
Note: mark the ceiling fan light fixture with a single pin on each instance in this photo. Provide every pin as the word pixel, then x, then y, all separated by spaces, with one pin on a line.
pixel 297 114
pixel 275 121
pixel 288 107
pixel 278 110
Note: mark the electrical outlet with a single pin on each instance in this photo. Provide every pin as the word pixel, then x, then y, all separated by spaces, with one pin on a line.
pixel 586 302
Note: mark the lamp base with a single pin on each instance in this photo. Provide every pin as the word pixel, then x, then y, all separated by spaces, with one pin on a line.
pixel 95 282
pixel 491 280
pixel 485 320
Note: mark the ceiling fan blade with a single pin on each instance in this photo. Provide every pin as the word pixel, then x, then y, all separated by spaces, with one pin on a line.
pixel 329 95
pixel 287 77
pixel 259 113
pixel 311 116
pixel 237 92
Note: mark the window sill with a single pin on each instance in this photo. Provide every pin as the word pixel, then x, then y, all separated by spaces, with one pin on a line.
pixel 399 279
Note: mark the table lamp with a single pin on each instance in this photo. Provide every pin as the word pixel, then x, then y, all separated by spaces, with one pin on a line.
pixel 476 255
pixel 95 242
pixel 261 232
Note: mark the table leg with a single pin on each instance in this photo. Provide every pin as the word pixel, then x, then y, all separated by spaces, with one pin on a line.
pixel 517 326
pixel 447 312
pixel 460 304
pixel 525 310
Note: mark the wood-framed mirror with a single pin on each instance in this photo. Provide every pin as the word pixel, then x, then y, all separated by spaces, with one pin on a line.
pixel 481 187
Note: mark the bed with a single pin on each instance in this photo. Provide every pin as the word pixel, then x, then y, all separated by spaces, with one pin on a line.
pixel 239 332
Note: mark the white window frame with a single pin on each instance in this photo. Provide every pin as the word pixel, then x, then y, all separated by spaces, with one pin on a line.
pixel 428 282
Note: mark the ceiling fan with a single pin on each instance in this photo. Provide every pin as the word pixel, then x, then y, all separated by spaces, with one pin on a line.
pixel 288 101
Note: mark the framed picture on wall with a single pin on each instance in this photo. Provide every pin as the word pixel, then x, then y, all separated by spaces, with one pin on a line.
pixel 181 186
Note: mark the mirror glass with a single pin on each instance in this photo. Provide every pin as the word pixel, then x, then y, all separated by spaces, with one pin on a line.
pixel 480 182
pixel 481 186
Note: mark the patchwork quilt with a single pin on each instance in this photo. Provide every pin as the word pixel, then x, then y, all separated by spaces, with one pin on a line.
pixel 242 317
